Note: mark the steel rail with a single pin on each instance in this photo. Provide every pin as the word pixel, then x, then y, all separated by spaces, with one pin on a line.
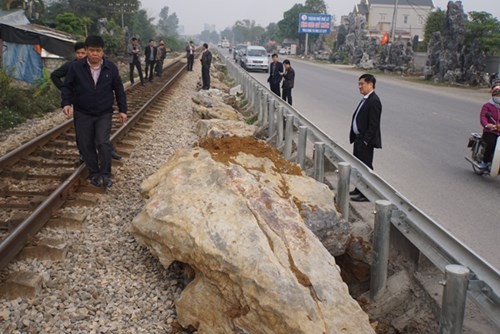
pixel 15 241
pixel 437 244
pixel 15 155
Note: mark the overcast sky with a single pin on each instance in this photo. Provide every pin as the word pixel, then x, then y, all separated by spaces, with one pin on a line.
pixel 193 14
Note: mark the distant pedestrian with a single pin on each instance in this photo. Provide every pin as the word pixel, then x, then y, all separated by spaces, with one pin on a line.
pixel 365 127
pixel 190 55
pixel 275 71
pixel 162 54
pixel 91 85
pixel 134 52
pixel 206 61
pixel 288 81
pixel 150 58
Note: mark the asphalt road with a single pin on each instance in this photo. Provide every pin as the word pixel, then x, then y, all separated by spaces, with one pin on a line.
pixel 424 138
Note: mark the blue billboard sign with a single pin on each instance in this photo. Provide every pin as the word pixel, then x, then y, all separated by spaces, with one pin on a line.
pixel 315 23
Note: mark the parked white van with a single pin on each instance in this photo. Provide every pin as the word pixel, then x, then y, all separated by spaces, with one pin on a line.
pixel 255 58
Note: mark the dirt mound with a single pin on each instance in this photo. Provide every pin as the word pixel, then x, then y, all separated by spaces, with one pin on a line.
pixel 226 149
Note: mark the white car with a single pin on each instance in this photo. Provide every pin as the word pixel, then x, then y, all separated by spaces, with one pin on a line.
pixel 284 51
pixel 255 58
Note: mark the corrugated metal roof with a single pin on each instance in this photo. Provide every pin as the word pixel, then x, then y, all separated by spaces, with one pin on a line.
pixel 414 3
pixel 13 17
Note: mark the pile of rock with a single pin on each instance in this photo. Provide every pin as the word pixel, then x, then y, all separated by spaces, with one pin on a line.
pixel 257 233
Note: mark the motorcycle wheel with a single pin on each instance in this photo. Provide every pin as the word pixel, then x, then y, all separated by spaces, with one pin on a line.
pixel 477 171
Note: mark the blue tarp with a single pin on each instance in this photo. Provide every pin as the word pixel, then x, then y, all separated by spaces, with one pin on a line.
pixel 22 61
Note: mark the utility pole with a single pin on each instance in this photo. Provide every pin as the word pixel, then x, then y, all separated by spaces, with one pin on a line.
pixel 394 20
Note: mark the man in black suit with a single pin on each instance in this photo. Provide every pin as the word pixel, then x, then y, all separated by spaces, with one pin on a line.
pixel 150 57
pixel 275 72
pixel 365 127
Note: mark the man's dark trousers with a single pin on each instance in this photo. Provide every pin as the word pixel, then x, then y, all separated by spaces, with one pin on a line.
pixel 287 95
pixel 205 76
pixel 190 62
pixel 93 134
pixel 151 65
pixel 275 88
pixel 137 64
pixel 363 152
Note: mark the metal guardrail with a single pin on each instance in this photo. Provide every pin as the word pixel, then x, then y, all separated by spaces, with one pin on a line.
pixel 439 246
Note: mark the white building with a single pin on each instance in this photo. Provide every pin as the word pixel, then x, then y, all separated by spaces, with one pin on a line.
pixel 398 18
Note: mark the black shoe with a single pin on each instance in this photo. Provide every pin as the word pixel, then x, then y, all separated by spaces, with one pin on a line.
pixel 359 198
pixel 115 155
pixel 106 182
pixel 96 181
pixel 355 192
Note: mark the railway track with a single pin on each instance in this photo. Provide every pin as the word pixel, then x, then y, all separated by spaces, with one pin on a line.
pixel 38 177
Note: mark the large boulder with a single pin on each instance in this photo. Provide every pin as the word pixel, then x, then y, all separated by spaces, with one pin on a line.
pixel 224 112
pixel 216 128
pixel 258 268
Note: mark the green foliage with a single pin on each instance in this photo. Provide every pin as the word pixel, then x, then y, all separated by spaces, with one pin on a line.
pixel 142 26
pixel 114 38
pixel 435 22
pixel 167 24
pixel 17 105
pixel 174 43
pixel 290 24
pixel 70 23
pixel 484 27
pixel 247 31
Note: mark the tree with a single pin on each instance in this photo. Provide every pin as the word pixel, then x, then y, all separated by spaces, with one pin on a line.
pixel 315 6
pixel 208 36
pixel 484 28
pixel 167 24
pixel 70 23
pixel 142 26
pixel 435 22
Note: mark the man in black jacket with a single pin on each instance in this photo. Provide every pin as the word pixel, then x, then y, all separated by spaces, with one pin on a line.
pixel 150 57
pixel 206 61
pixel 365 127
pixel 288 81
pixel 275 72
pixel 58 75
pixel 90 86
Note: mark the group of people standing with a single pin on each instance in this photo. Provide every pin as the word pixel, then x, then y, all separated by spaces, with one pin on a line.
pixel 154 57
pixel 279 72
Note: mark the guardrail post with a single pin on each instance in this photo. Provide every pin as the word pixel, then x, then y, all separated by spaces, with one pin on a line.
pixel 258 106
pixel 248 90
pixel 302 146
pixel 319 161
pixel 265 108
pixel 271 127
pixel 381 234
pixel 343 181
pixel 280 126
pixel 456 281
pixel 287 152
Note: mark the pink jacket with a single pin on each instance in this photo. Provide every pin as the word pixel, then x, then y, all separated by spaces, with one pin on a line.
pixel 488 107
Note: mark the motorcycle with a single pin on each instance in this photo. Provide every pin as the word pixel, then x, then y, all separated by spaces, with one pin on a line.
pixel 477 147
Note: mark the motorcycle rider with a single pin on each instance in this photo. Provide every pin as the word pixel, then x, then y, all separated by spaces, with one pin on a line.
pixel 490 120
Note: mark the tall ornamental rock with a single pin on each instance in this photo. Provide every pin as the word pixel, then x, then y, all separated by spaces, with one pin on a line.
pixel 449 59
pixel 258 268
